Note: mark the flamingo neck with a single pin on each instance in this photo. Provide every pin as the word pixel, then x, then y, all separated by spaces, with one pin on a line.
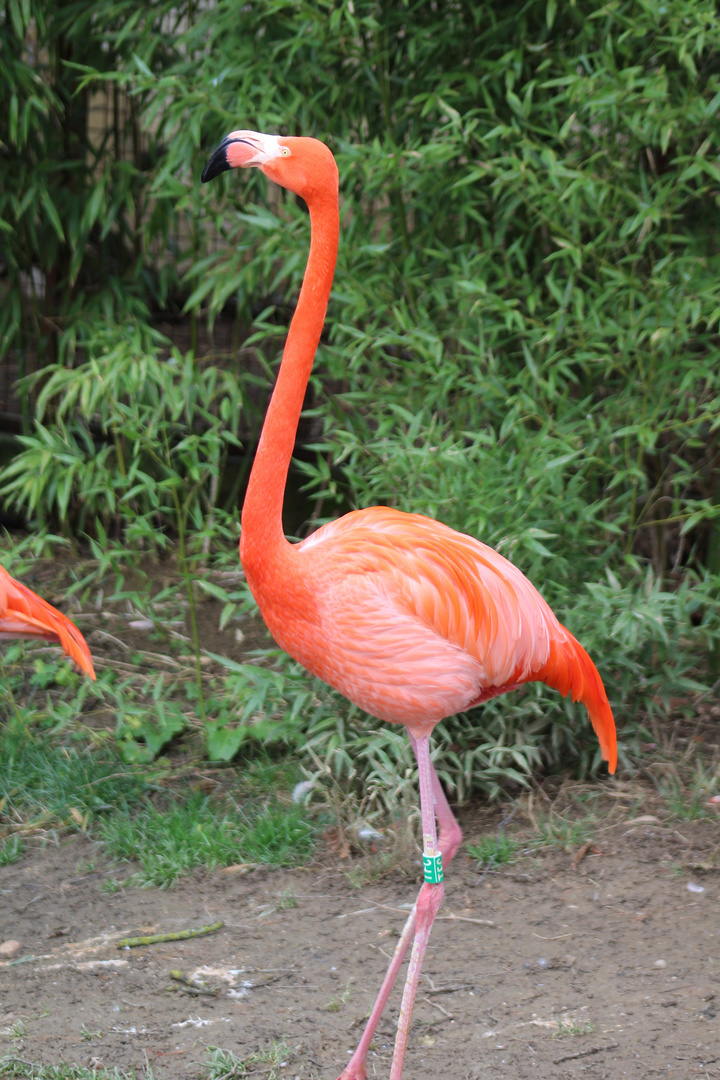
pixel 263 540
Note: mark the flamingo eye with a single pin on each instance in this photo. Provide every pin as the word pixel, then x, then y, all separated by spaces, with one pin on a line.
pixel 285 151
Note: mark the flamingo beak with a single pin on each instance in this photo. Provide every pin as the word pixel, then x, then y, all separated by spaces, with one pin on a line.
pixel 241 150
pixel 217 162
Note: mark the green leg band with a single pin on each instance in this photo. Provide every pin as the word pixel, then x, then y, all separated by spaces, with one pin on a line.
pixel 432 868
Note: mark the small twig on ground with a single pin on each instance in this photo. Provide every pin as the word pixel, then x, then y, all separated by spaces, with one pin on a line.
pixel 466 918
pixel 179 935
pixel 435 1005
pixel 586 1053
pixel 453 989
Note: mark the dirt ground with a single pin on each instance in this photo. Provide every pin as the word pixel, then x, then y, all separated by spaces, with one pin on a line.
pixel 604 967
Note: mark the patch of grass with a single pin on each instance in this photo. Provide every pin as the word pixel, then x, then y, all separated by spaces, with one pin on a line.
pixel 224 1064
pixel 16 1031
pixel 335 1004
pixel 559 832
pixel 279 835
pixel 111 886
pixel 197 832
pixel 496 850
pixel 568 1028
pixel 687 798
pixel 264 775
pixel 13 1068
pixel 43 781
pixel 553 831
pixel 684 805
pixel 11 849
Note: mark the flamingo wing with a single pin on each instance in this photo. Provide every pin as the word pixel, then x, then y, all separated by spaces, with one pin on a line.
pixel 24 614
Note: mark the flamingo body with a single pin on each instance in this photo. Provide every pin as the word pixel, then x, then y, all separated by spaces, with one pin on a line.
pixel 409 619
pixel 24 614
pixel 415 622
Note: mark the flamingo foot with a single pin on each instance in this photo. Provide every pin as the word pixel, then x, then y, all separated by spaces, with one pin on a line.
pixel 359 1073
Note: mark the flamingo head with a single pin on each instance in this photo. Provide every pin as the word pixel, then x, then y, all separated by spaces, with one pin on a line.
pixel 303 166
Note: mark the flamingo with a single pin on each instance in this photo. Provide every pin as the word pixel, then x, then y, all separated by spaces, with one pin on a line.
pixel 24 614
pixel 407 618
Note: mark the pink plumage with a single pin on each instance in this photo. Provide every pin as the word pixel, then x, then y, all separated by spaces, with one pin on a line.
pixel 406 617
pixel 415 622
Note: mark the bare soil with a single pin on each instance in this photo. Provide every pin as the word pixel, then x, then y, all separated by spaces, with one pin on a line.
pixel 602 966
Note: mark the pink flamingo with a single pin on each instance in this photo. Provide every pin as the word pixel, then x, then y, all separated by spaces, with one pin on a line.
pixel 409 619
pixel 24 614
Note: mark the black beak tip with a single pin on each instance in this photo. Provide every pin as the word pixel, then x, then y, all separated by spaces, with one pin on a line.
pixel 217 163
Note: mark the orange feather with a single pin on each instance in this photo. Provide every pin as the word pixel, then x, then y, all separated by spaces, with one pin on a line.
pixel 24 614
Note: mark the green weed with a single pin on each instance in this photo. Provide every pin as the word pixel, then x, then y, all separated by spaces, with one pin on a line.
pixel 11 850
pixel 16 1031
pixel 111 886
pixel 62 783
pixel 198 832
pixel 287 901
pixel 494 851
pixel 223 1063
pixel 12 1068
pixel 688 799
pixel 564 834
pixel 569 1028
pixel 335 1004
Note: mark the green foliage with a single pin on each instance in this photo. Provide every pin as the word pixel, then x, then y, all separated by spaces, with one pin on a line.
pixel 522 338
pixel 60 782
pixel 11 850
pixel 557 831
pixel 221 1063
pixel 195 832
pixel 14 1068
pixel 495 851
pixel 264 705
pixel 688 798
pixel 134 436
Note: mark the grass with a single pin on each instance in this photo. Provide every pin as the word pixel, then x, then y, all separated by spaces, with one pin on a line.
pixel 501 850
pixel 568 1028
pixel 686 793
pixel 11 850
pixel 45 781
pixel 12 1068
pixel 559 832
pixel 566 823
pixel 224 1065
pixel 51 783
pixel 494 851
pixel 219 1065
pixel 198 831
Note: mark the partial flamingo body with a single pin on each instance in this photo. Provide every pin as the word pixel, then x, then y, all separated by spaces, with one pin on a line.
pixel 24 614
pixel 409 619
pixel 442 621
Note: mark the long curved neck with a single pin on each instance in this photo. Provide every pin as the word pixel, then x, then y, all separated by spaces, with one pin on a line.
pixel 262 529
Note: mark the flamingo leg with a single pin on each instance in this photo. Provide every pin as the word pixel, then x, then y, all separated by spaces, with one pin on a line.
pixel 427 905
pixel 448 841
